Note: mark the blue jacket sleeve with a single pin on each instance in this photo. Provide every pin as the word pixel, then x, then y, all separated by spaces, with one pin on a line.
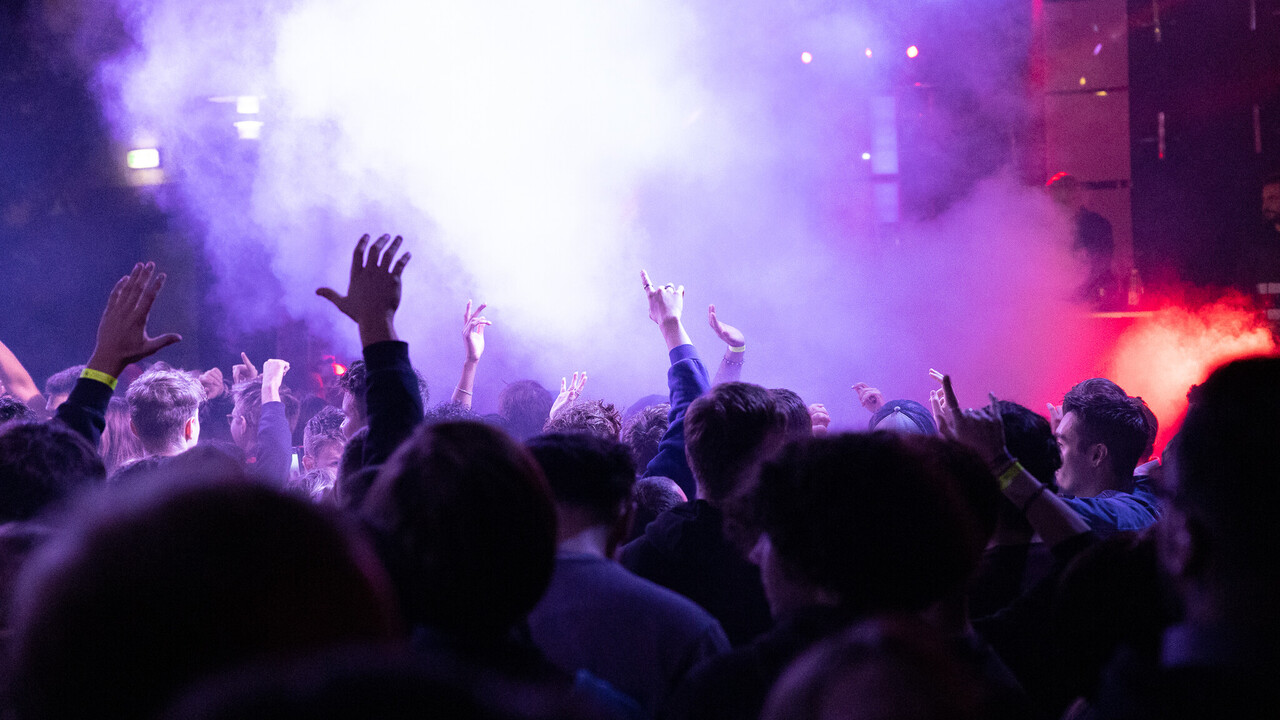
pixel 85 410
pixel 392 398
pixel 273 444
pixel 1119 512
pixel 687 379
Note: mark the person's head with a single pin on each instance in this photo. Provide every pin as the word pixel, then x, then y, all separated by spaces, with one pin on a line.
pixel 323 441
pixel 525 405
pixel 42 466
pixel 466 526
pixel 650 497
pixel 354 477
pixel 119 444
pixel 795 412
pixel 596 417
pixel 145 592
pixel 1271 199
pixel 1066 190
pixel 449 411
pixel 354 383
pixel 1101 436
pixel 1029 438
pixel 14 410
pixel 727 431
pixel 1218 537
pixel 643 431
pixel 590 479
pixel 871 522
pixel 164 409
pixel 247 412
pixel 885 668
pixel 906 416
pixel 59 385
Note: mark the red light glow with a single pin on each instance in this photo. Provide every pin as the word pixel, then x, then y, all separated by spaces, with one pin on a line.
pixel 1162 356
pixel 913 51
pixel 339 369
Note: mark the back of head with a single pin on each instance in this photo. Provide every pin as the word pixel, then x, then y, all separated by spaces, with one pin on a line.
pixel 795 413
pixel 356 381
pixel 151 590
pixel 161 401
pixel 1224 463
pixel 586 471
pixel 650 497
pixel 61 382
pixel 595 417
pixel 323 427
pixel 886 668
pixel 42 465
pixel 12 409
pixel 879 518
pixel 1114 420
pixel 1030 439
pixel 120 445
pixel 727 431
pixel 642 432
pixel 904 416
pixel 466 526
pixel 525 405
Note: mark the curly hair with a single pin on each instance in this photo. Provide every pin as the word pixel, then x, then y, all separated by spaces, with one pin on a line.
pixel 595 417
pixel 643 431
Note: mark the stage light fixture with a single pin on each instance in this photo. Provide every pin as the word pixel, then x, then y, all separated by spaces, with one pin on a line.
pixel 143 158
pixel 249 129
pixel 866 156
pixel 806 57
pixel 248 105
pixel 868 52
pixel 913 51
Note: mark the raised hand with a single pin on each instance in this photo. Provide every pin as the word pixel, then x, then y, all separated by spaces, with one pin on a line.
pixel 1055 417
pixel 871 398
pixel 373 292
pixel 982 429
pixel 211 381
pixel 272 376
pixel 569 392
pixel 122 331
pixel 244 370
pixel 819 418
pixel 728 334
pixel 666 305
pixel 473 326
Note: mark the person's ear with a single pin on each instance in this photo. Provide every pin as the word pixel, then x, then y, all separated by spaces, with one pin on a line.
pixel 1098 454
pixel 133 428
pixel 191 431
pixel 308 463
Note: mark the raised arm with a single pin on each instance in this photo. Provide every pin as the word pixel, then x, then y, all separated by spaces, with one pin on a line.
pixel 570 390
pixel 17 381
pixel 686 379
pixel 473 325
pixel 373 295
pixel 983 430
pixel 274 438
pixel 735 348
pixel 122 339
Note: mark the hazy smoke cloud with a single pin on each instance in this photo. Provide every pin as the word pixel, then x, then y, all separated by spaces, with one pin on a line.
pixel 536 156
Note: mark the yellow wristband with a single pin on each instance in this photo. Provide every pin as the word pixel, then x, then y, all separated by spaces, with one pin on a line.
pixel 738 349
pixel 1006 478
pixel 101 377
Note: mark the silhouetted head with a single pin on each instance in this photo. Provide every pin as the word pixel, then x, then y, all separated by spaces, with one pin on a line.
pixel 596 417
pixel 42 466
pixel 642 432
pixel 727 432
pixel 525 405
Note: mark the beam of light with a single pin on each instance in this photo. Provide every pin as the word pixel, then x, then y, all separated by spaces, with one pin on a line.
pixel 1162 356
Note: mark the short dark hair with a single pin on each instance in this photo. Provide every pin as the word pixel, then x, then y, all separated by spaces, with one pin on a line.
pixel 466 527
pixel 585 470
pixel 356 381
pixel 63 380
pixel 883 519
pixel 1113 420
pixel 448 411
pixel 643 431
pixel 525 405
pixel 597 417
pixel 726 433
pixel 12 409
pixel 323 427
pixel 1030 439
pixel 794 412
pixel 1224 460
pixel 151 590
pixel 650 497
pixel 42 465
pixel 161 401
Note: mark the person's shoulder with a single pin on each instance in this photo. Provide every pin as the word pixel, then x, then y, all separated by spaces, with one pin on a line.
pixel 646 597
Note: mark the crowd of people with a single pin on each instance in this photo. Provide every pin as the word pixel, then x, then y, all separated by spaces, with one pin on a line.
pixel 719 552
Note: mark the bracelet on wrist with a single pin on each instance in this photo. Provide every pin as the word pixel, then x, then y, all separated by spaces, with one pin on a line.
pixel 1006 478
pixel 100 376
pixel 464 392
pixel 737 349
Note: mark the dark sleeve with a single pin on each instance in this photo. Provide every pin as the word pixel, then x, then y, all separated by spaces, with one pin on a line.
pixel 85 410
pixel 274 449
pixel 392 398
pixel 687 379
pixel 1119 512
